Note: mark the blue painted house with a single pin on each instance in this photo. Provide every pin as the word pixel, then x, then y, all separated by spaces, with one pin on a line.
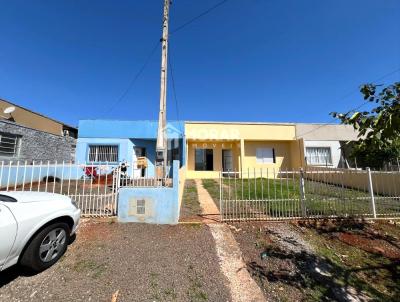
pixel 114 141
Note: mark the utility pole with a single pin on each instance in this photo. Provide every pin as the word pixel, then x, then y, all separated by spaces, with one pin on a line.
pixel 161 147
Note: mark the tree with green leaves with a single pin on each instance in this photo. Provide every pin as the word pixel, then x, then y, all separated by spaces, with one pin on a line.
pixel 379 128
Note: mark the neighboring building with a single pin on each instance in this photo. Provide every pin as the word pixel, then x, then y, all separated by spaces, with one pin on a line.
pixel 325 144
pixel 33 120
pixel 113 142
pixel 29 136
pixel 19 143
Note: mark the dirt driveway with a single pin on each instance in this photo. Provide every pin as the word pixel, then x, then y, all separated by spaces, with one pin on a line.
pixel 143 262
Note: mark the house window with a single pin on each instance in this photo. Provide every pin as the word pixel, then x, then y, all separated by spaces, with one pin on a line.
pixel 265 156
pixel 9 144
pixel 203 160
pixel 103 153
pixel 318 155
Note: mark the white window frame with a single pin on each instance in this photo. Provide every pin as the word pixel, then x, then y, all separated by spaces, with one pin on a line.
pixel 319 160
pixel 265 155
pixel 100 153
pixel 10 144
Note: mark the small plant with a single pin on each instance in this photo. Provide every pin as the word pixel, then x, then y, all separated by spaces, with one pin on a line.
pixel 171 293
pixel 155 293
pixel 195 292
pixel 90 266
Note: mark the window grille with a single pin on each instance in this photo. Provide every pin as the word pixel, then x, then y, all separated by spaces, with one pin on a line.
pixel 9 144
pixel 103 153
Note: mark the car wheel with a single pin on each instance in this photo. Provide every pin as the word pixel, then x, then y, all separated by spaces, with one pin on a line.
pixel 46 247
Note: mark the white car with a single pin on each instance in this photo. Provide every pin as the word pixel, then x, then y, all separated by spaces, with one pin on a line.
pixel 35 228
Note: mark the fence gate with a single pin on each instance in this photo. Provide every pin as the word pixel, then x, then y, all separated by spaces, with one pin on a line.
pixel 272 194
pixel 94 187
pixel 96 195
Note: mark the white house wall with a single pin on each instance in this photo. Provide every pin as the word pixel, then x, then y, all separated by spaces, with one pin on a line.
pixel 333 145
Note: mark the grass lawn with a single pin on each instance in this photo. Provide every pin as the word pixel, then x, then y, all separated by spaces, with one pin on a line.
pixel 190 206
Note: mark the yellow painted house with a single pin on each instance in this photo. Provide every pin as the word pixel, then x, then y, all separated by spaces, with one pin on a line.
pixel 213 147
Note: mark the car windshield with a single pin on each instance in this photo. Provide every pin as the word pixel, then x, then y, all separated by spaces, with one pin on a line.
pixel 7 198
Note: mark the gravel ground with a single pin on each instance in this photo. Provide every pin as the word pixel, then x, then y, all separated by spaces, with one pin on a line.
pixel 143 262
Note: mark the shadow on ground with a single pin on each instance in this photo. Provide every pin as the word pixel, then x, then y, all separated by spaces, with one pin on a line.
pixel 16 271
pixel 13 273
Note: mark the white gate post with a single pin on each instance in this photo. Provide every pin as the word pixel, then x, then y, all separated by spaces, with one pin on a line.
pixel 302 194
pixel 371 192
pixel 115 189
pixel 119 179
pixel 221 193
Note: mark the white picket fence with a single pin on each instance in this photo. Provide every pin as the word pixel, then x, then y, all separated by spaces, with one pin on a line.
pixel 314 192
pixel 94 187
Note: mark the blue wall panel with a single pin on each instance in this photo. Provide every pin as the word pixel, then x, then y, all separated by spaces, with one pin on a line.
pixel 162 203
pixel 127 129
pixel 127 135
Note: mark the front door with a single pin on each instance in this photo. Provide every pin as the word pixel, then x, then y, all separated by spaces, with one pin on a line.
pixel 227 162
pixel 204 160
pixel 140 152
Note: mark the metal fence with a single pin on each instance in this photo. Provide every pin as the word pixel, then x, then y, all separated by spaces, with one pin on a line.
pixel 271 194
pixel 94 187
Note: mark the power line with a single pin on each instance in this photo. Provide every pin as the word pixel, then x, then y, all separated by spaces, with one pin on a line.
pixel 376 80
pixel 174 89
pixel 207 11
pixel 140 71
pixel 386 75
pixel 173 86
pixel 356 108
pixel 134 79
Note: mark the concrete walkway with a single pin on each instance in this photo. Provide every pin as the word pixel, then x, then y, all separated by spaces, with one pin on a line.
pixel 243 288
pixel 209 210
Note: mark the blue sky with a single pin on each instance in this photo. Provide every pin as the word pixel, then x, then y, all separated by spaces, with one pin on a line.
pixel 248 60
